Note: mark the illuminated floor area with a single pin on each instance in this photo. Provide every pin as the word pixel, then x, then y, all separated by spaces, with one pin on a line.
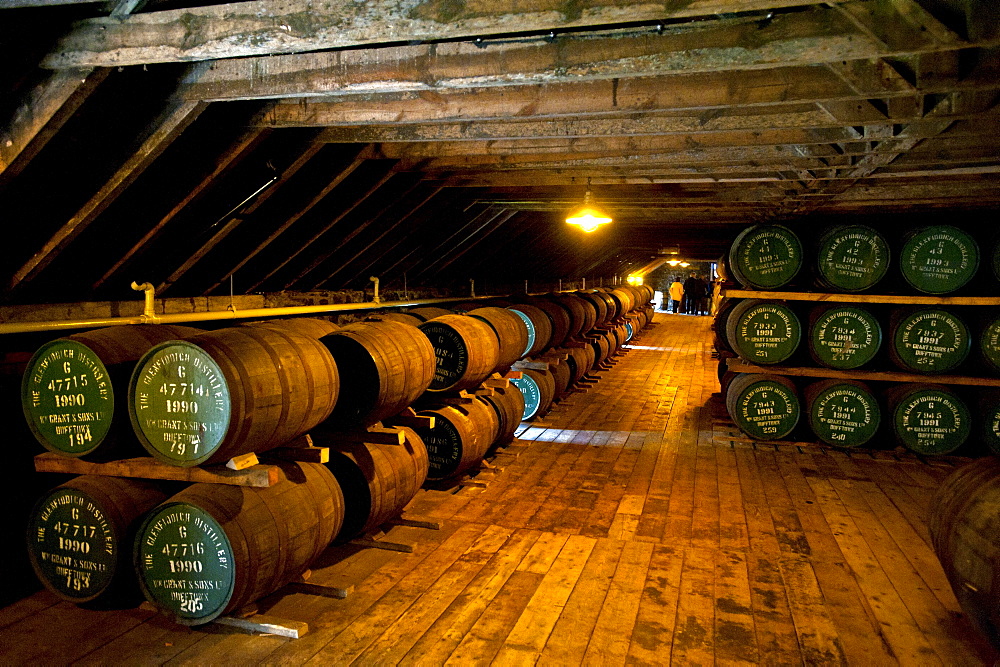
pixel 632 524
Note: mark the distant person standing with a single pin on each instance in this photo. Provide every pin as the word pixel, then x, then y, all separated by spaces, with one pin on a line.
pixel 676 294
pixel 694 293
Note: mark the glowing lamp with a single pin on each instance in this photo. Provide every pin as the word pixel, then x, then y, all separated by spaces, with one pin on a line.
pixel 634 280
pixel 588 216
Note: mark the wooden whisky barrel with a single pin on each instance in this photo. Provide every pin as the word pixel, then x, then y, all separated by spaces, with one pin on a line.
pixel 384 366
pixel 377 480
pixel 538 388
pixel 563 376
pixel 602 344
pixel 576 311
pixel 964 524
pixel 558 318
pixel 538 324
pixel 460 438
pixel 929 418
pixel 928 340
pixel 766 256
pixel 74 391
pixel 844 413
pixel 214 548
pixel 307 326
pixel 843 336
pixel 989 343
pixel 80 538
pixel 851 258
pixel 763 332
pixel 765 407
pixel 599 305
pixel 509 404
pixel 580 360
pixel 989 419
pixel 466 351
pixel 939 259
pixel 511 333
pixel 229 392
pixel 625 300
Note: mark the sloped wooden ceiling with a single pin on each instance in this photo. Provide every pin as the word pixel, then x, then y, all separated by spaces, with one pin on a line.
pixel 293 145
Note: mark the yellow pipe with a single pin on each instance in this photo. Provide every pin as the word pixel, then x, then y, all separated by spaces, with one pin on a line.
pixel 175 318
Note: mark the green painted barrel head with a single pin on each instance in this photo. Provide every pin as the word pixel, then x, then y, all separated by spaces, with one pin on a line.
pixel 939 259
pixel 931 340
pixel 990 431
pixel 766 409
pixel 766 256
pixel 931 420
pixel 845 414
pixel 532 395
pixel 766 333
pixel 444 447
pixel 629 331
pixel 450 351
pixel 185 562
pixel 72 544
pixel 67 398
pixel 845 337
pixel 852 258
pixel 989 343
pixel 531 329
pixel 179 403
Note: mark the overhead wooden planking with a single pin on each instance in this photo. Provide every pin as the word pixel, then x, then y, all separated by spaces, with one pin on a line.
pixel 264 27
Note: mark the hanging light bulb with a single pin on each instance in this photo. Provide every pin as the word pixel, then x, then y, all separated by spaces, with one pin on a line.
pixel 588 216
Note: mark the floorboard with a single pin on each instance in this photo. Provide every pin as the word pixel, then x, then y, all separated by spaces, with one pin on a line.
pixel 632 524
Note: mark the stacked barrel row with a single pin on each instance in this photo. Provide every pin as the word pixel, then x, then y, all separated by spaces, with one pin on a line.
pixel 938 259
pixel 926 418
pixel 208 397
pixel 846 336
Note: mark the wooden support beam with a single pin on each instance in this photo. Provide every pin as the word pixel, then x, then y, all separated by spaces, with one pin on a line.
pixel 817 35
pixel 225 228
pixel 174 120
pixel 230 158
pixel 41 114
pixel 718 90
pixel 363 156
pixel 327 227
pixel 262 27
pixel 801 116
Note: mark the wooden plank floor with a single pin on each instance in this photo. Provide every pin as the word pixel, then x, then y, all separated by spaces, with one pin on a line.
pixel 632 525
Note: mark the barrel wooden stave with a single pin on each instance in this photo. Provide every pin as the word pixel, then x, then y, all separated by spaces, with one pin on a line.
pixel 964 524
pixel 377 480
pixel 254 541
pixel 508 403
pixel 427 313
pixel 511 333
pixel 385 366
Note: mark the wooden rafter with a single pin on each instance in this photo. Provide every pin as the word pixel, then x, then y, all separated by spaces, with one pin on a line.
pixel 47 107
pixel 225 227
pixel 233 156
pixel 178 115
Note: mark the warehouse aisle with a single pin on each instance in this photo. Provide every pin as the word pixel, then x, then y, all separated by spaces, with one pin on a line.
pixel 632 524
